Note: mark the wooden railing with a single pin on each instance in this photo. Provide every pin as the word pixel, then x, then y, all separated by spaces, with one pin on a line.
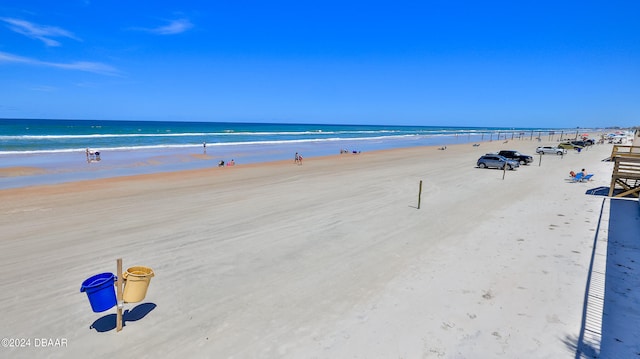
pixel 626 171
pixel 627 151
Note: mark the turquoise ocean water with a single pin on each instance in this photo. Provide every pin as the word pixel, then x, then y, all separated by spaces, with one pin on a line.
pixel 134 147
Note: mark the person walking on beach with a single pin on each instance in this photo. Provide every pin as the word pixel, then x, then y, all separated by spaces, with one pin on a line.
pixel 296 159
pixel 91 156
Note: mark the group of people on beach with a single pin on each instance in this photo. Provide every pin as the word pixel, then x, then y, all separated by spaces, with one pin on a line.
pixel 297 159
pixel 230 163
pixel 344 150
pixel 581 176
pixel 92 156
pixel 583 172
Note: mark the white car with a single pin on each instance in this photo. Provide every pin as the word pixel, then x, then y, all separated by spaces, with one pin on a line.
pixel 551 149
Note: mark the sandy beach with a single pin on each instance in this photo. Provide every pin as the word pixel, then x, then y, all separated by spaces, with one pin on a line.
pixel 330 259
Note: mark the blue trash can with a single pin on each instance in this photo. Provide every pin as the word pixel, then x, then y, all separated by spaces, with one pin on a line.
pixel 100 291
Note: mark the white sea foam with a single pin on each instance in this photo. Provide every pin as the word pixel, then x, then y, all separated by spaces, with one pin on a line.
pixel 214 144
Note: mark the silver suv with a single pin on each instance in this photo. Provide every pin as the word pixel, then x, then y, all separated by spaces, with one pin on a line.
pixel 497 161
pixel 551 149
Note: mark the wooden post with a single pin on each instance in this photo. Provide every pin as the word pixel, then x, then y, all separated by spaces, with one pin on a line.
pixel 504 171
pixel 119 303
pixel 540 162
pixel 419 194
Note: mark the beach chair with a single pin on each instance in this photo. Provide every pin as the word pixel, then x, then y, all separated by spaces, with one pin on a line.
pixel 587 178
pixel 578 177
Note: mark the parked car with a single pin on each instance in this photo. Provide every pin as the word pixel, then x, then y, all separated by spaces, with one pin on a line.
pixel 517 156
pixel 581 143
pixel 551 149
pixel 568 146
pixel 497 161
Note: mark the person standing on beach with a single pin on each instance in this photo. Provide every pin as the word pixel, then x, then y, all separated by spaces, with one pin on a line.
pixel 296 158
pixel 204 146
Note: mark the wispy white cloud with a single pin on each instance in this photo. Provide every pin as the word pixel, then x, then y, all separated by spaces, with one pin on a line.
pixel 44 88
pixel 87 66
pixel 39 32
pixel 173 27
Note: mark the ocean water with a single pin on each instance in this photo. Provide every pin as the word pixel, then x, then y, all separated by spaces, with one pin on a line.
pixel 58 147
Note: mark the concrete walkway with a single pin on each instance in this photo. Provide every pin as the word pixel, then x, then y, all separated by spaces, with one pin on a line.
pixel 611 317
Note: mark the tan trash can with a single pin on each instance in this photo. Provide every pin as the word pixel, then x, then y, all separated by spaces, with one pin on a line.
pixel 136 283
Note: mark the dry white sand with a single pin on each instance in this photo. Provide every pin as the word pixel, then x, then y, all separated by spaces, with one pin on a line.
pixel 330 259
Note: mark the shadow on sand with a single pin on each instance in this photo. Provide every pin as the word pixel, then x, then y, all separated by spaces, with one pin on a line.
pixel 604 191
pixel 108 322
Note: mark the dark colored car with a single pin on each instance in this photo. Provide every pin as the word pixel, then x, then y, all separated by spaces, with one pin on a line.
pixel 582 143
pixel 497 161
pixel 516 156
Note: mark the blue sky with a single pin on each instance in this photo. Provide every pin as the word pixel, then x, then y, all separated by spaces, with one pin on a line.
pixel 464 63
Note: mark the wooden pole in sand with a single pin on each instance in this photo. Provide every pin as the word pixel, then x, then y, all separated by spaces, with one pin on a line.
pixel 419 194
pixel 119 302
pixel 504 171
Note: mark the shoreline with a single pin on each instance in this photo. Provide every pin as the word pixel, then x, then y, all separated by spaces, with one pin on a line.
pixel 34 170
